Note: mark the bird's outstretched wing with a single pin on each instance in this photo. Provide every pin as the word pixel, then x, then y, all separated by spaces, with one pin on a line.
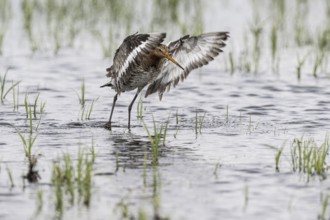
pixel 190 52
pixel 126 56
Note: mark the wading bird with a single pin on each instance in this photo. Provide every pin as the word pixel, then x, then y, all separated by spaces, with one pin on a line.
pixel 143 60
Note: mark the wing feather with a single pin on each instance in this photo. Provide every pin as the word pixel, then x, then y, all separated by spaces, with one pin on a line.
pixel 130 51
pixel 191 52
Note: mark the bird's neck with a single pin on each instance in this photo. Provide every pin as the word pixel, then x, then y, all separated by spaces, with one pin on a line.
pixel 153 59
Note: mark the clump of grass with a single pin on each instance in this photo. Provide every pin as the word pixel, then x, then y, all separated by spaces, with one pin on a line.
pixel 277 158
pixel 86 111
pixel 69 180
pixel 33 110
pixel 5 14
pixel 280 11
pixel 245 63
pixel 106 42
pixel 302 35
pixel 57 182
pixel 231 62
pixel 3 92
pixel 31 115
pixel 28 8
pixel 199 121
pixel 28 143
pixel 307 157
pixel 142 215
pixel 123 206
pixel 273 40
pixel 82 96
pixel 324 40
pixel 318 62
pixel 256 29
pixel 156 139
pixel 301 62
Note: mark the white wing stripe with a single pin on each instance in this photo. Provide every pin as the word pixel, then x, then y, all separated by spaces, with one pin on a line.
pixel 131 57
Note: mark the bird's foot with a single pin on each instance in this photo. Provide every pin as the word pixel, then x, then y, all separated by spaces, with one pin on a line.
pixel 108 125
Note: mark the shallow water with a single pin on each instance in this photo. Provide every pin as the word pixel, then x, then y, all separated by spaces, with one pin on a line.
pixel 244 114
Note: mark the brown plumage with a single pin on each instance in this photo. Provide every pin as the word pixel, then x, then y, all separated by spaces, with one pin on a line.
pixel 142 60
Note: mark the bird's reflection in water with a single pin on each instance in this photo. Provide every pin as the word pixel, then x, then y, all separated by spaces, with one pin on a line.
pixel 135 151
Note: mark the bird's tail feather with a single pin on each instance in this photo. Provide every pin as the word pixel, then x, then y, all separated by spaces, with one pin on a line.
pixel 109 84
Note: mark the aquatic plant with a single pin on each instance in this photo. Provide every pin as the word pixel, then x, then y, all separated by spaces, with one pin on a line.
pixel 277 158
pixel 28 9
pixel 142 215
pixel 140 108
pixel 177 126
pixel 86 111
pixel 69 180
pixel 32 174
pixel 57 183
pixel 106 42
pixel 244 60
pixel 122 205
pixel 5 15
pixel 145 159
pixel 280 12
pixel 301 32
pixel 217 166
pixel 256 29
pixel 82 97
pixel 323 40
pixel 231 62
pixel 3 92
pixel 319 59
pixel 308 158
pixel 300 64
pixel 199 121
pixel 39 201
pixel 155 140
pixel 324 207
pixel 28 143
pixel 15 97
pixel 273 40
pixel 11 179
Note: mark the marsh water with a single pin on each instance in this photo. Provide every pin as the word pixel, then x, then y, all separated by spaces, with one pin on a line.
pixel 223 169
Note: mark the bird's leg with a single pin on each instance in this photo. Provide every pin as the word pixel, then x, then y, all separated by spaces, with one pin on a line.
pixel 130 108
pixel 108 124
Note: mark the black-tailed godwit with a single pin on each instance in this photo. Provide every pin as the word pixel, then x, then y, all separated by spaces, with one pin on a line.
pixel 143 60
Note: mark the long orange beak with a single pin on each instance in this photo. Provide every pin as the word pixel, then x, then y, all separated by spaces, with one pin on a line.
pixel 168 56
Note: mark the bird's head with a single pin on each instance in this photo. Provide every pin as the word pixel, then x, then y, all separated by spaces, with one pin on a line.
pixel 162 52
